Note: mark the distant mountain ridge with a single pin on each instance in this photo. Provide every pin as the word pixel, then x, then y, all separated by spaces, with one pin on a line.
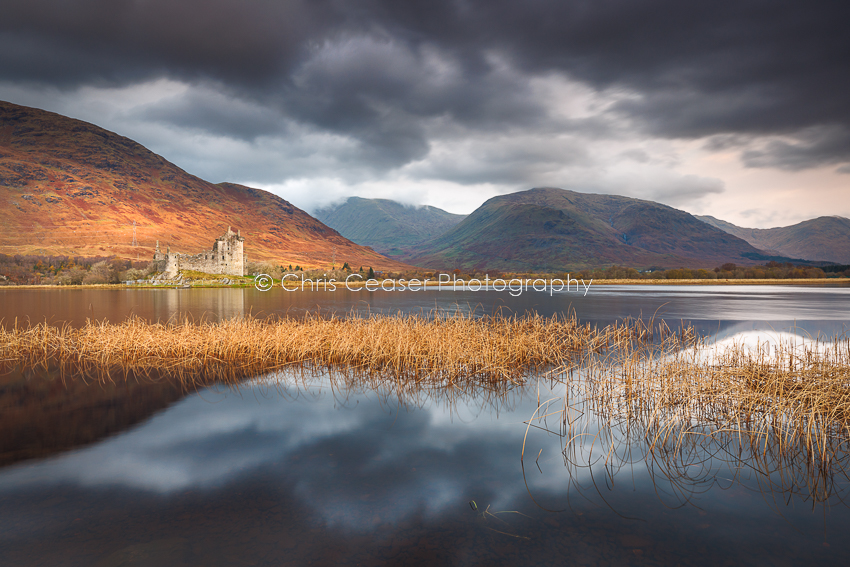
pixel 820 239
pixel 387 226
pixel 546 229
pixel 71 188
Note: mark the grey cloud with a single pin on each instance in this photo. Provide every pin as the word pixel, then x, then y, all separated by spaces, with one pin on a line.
pixel 664 187
pixel 687 189
pixel 505 160
pixel 380 71
pixel 749 53
pixel 215 113
pixel 46 60
pixel 760 213
pixel 236 41
pixel 722 142
pixel 812 148
pixel 383 93
pixel 639 156
pixel 701 68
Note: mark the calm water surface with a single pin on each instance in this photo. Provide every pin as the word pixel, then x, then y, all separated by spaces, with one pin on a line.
pixel 308 470
pixel 825 306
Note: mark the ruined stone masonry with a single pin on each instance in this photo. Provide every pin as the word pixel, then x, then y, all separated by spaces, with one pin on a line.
pixel 226 257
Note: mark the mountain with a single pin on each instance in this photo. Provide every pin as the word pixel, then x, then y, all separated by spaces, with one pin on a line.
pixel 385 225
pixel 549 229
pixel 69 187
pixel 824 238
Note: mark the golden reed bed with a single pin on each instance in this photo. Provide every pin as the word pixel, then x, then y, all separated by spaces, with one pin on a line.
pixel 673 385
pixel 449 349
pixel 778 410
pixel 789 385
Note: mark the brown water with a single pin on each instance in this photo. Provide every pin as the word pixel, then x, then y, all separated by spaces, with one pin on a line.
pixel 308 471
pixel 828 306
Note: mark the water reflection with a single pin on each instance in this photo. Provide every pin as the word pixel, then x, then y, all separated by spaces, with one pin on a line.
pixel 603 447
pixel 206 438
pixel 325 471
pixel 42 413
pixel 303 469
pixel 711 307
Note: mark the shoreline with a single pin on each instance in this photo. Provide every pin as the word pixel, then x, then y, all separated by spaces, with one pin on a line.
pixel 764 281
pixel 446 286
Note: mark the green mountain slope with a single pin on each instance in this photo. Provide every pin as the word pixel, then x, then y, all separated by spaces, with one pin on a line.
pixel 555 229
pixel 824 238
pixel 385 225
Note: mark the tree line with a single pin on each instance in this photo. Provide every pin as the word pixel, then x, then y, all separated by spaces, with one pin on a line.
pixel 28 269
pixel 23 269
pixel 729 271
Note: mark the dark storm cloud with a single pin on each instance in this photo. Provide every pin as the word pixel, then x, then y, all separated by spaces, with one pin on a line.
pixel 114 41
pixel 703 67
pixel 378 71
pixel 815 148
pixel 215 113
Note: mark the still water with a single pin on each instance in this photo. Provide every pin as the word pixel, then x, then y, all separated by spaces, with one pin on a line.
pixel 311 470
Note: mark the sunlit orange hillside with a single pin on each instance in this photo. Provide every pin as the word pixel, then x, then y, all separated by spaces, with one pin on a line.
pixel 69 187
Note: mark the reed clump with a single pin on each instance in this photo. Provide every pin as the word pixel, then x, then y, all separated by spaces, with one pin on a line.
pixel 789 396
pixel 436 348
pixel 767 412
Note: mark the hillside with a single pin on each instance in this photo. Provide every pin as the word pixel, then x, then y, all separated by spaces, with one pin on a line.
pixel 69 187
pixel 823 238
pixel 385 225
pixel 555 229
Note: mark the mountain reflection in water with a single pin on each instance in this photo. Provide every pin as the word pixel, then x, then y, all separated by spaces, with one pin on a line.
pixel 43 413
pixel 308 470
pixel 711 308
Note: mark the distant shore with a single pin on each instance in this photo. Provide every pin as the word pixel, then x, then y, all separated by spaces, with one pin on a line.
pixel 841 282
pixel 797 281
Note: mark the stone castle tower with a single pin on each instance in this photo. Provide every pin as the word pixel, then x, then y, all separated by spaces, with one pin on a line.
pixel 226 257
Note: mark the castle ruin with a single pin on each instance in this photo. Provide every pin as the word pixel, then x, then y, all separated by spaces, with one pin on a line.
pixel 226 258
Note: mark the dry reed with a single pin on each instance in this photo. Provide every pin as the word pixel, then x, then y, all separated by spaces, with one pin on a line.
pixel 801 388
pixel 675 387
pixel 780 409
pixel 443 349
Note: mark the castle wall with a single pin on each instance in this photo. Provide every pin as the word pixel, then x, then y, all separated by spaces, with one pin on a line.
pixel 225 258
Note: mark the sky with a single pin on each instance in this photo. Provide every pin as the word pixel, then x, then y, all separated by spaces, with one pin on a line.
pixel 733 108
